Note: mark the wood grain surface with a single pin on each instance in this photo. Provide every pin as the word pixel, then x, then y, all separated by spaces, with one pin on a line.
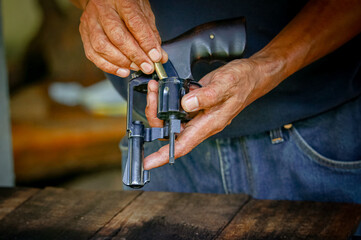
pixel 11 198
pixel 270 219
pixel 155 215
pixel 63 214
pixel 55 213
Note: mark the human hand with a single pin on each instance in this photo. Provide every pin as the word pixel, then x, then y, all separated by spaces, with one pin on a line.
pixel 225 93
pixel 121 35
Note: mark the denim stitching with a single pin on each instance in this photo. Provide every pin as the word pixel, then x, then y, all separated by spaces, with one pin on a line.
pixel 314 155
pixel 221 167
pixel 249 166
pixel 227 151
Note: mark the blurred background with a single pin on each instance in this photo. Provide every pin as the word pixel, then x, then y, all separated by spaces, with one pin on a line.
pixel 66 119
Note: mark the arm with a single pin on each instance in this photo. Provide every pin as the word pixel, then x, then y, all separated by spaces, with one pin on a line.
pixel 321 27
pixel 120 35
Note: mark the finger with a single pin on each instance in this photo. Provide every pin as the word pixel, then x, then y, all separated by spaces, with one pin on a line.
pixel 101 44
pixel 134 67
pixel 151 20
pixel 98 60
pixel 203 98
pixel 196 131
pixel 193 87
pixel 164 56
pixel 148 13
pixel 151 109
pixel 157 159
pixel 119 35
pixel 140 22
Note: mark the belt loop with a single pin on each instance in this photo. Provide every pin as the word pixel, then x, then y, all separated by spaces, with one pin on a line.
pixel 276 136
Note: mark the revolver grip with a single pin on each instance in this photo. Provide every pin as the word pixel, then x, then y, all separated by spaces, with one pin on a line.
pixel 222 40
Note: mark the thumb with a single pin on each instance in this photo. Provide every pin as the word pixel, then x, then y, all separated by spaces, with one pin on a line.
pixel 202 98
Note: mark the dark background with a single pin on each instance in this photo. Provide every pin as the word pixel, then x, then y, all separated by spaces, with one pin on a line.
pixel 54 144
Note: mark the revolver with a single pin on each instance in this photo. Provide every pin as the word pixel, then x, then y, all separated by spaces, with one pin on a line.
pixel 219 41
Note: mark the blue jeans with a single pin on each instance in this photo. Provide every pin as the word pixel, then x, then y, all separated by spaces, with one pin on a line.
pixel 317 159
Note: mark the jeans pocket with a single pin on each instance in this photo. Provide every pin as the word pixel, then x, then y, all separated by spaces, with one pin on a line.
pixel 308 150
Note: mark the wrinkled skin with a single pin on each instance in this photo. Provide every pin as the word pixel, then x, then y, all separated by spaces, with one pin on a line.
pixel 225 93
pixel 229 89
pixel 121 35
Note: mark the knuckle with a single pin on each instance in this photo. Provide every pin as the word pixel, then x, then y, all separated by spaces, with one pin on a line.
pixel 135 22
pixel 131 51
pixel 126 5
pixel 144 33
pixel 210 95
pixel 124 63
pixel 137 57
pixel 107 68
pixel 231 77
pixel 247 66
pixel 146 40
pixel 117 35
pixel 232 81
pixel 99 45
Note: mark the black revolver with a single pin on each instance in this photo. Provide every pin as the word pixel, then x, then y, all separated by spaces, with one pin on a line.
pixel 215 41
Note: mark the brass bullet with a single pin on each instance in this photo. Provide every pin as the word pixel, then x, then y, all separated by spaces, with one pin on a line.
pixel 159 69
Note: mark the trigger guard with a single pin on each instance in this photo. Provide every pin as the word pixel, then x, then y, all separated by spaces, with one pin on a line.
pixel 143 88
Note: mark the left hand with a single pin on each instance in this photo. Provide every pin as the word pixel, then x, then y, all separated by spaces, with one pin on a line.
pixel 232 87
pixel 225 93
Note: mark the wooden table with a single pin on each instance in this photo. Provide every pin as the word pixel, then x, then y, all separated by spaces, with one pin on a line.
pixel 54 213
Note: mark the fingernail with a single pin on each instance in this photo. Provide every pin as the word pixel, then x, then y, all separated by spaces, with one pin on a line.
pixel 121 72
pixel 191 104
pixel 134 67
pixel 154 55
pixel 146 67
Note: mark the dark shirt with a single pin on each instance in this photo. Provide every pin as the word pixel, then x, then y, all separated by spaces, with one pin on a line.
pixel 324 84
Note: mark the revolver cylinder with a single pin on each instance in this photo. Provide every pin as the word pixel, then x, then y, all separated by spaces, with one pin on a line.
pixel 171 90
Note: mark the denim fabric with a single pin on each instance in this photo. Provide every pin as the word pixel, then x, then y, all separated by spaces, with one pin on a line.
pixel 316 159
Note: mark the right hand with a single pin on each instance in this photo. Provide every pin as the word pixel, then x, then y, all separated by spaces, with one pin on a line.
pixel 121 35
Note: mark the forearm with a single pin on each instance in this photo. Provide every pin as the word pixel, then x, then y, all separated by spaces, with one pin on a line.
pixel 321 27
pixel 318 29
